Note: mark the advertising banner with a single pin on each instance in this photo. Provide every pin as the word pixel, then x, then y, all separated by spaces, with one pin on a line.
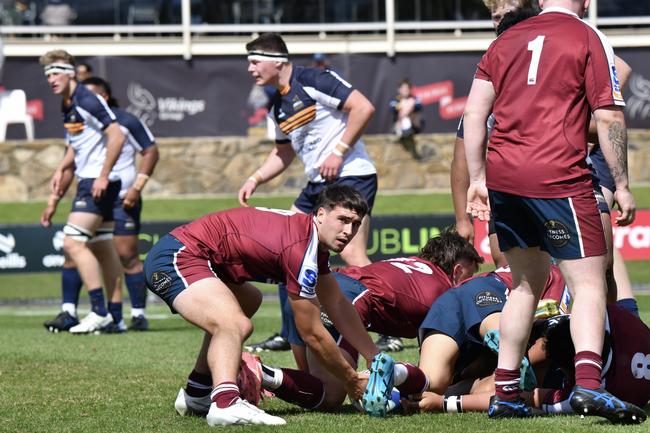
pixel 215 95
pixel 32 248
pixel 633 241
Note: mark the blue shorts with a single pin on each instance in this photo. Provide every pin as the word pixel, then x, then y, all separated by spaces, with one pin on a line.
pixel 127 221
pixel 365 185
pixel 603 207
pixel 162 269
pixel 350 288
pixel 566 228
pixel 602 169
pixel 84 202
pixel 459 312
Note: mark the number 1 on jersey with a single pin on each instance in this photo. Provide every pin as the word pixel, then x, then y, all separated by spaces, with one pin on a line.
pixel 535 46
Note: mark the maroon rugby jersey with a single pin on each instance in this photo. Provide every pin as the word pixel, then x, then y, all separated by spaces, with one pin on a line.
pixel 246 244
pixel 549 73
pixel 401 292
pixel 553 289
pixel 628 375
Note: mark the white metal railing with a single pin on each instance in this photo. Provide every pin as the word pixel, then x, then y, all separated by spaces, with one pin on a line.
pixel 192 37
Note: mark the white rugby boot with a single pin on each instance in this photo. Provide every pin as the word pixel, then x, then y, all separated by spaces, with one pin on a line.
pixel 242 412
pixel 91 323
pixel 187 405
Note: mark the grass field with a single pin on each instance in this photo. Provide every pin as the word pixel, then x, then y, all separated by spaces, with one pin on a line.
pixel 127 383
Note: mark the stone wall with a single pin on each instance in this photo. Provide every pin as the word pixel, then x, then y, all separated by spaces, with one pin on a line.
pixel 218 165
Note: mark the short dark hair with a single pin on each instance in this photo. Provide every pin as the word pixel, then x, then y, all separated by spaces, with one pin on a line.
pixel 343 196
pixel 105 86
pixel 515 16
pixel 269 42
pixel 85 65
pixel 447 249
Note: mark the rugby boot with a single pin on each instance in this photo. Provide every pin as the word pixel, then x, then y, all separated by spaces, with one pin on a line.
pixel 242 412
pixel 275 342
pixel 378 392
pixel 187 405
pixel 386 343
pixel 599 402
pixel 511 409
pixel 62 322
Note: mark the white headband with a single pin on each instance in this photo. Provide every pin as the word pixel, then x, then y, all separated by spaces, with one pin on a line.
pixel 59 68
pixel 262 56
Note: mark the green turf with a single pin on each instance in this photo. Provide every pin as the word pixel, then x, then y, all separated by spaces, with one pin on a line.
pixel 127 383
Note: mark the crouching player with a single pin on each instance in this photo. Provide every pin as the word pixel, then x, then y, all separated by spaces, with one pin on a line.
pixel 201 270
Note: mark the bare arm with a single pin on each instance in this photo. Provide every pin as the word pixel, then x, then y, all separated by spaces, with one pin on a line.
pixel 344 316
pixel 150 157
pixel 623 72
pixel 114 142
pixel 307 316
pixel 612 135
pixel 478 108
pixel 459 186
pixel 276 162
pixel 359 110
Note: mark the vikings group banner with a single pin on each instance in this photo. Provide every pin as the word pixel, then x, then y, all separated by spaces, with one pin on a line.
pixel 31 248
pixel 215 96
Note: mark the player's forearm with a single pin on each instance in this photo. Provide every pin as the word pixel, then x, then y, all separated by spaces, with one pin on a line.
pixel 114 142
pixel 475 132
pixel 275 163
pixel 347 322
pixel 150 158
pixel 612 134
pixel 323 346
pixel 67 163
pixel 459 180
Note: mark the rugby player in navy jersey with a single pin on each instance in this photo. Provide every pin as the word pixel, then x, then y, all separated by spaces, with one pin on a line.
pixel 94 141
pixel 202 271
pixel 127 221
pixel 318 117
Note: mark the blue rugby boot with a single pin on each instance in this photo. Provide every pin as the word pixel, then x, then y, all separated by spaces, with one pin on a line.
pixel 511 409
pixel 599 402
pixel 380 385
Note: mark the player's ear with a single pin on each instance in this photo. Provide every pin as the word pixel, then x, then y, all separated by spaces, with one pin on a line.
pixel 320 215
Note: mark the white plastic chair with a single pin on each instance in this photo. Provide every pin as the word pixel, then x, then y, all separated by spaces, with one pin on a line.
pixel 13 109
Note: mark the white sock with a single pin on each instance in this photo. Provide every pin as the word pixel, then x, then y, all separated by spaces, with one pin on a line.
pixel 135 312
pixel 70 308
pixel 400 373
pixel 271 377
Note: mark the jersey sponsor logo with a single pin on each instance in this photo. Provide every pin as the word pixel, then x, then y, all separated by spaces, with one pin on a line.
pixel 486 298
pixel 309 278
pixel 160 282
pixel 557 232
pixel 640 366
pixel 616 86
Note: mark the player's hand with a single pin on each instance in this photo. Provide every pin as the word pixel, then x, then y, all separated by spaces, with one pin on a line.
pixel 331 167
pixel 131 198
pixel 425 402
pixel 99 187
pixel 477 200
pixel 55 183
pixel 356 385
pixel 46 216
pixel 465 228
pixel 626 206
pixel 246 191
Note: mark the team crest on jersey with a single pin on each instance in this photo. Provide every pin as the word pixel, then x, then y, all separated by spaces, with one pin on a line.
pixel 486 298
pixel 160 282
pixel 557 232
pixel 297 103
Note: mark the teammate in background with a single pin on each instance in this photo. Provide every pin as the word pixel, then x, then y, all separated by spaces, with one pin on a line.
pixel 83 71
pixel 320 118
pixel 94 144
pixel 540 189
pixel 201 270
pixel 127 221
pixel 391 297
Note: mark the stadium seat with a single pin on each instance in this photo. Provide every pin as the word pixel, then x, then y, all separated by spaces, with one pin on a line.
pixel 13 109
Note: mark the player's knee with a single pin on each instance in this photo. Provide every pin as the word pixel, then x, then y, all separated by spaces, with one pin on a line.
pixel 130 261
